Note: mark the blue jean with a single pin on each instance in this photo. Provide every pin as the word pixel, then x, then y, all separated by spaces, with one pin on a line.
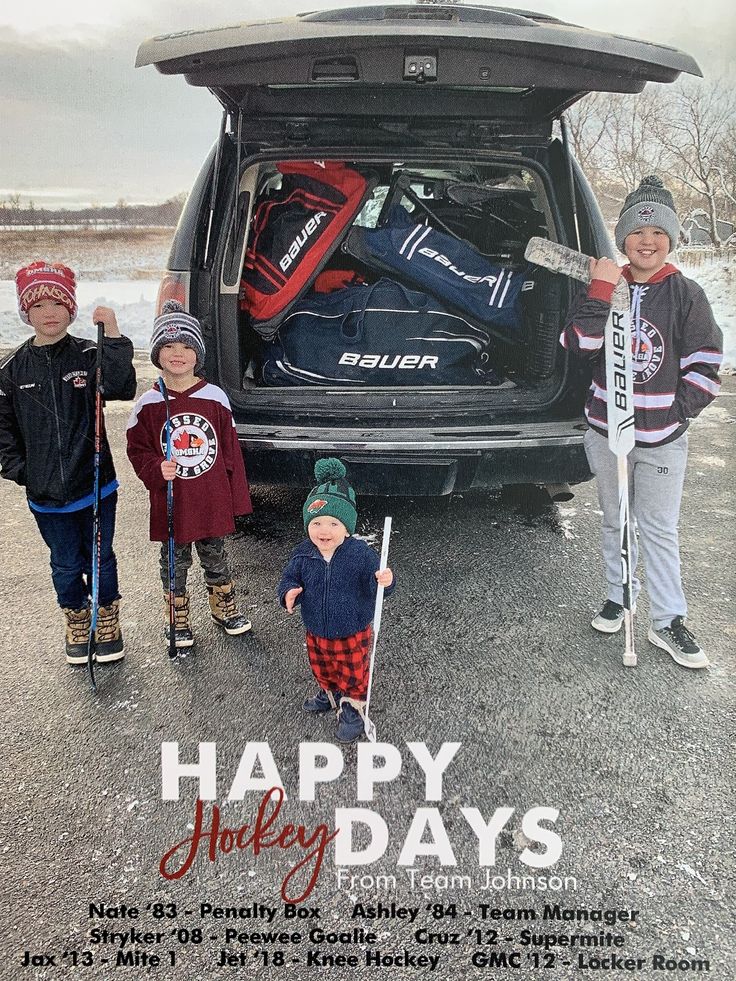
pixel 69 538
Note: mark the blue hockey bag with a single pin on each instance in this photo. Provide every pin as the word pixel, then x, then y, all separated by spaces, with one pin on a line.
pixel 384 334
pixel 450 269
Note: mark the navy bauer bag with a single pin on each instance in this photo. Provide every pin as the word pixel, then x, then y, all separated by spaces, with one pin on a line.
pixel 383 334
pixel 448 268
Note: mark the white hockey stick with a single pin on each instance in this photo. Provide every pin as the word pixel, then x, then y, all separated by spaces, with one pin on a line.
pixel 368 725
pixel 620 400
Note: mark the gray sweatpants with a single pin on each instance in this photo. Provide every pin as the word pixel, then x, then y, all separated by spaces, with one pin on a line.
pixel 656 478
pixel 212 558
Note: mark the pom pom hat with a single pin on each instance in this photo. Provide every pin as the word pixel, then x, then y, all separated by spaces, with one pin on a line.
pixel 332 496
pixel 651 204
pixel 175 325
pixel 45 281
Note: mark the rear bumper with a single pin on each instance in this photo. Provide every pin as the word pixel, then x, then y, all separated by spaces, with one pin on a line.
pixel 419 462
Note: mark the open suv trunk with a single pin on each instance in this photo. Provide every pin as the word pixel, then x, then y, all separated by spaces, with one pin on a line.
pixel 446 114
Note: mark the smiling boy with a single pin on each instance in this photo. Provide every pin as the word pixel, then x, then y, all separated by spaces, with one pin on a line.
pixel 210 485
pixel 47 445
pixel 334 578
pixel 677 350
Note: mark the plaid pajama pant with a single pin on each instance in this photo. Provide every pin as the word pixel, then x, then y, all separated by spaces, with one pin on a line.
pixel 342 664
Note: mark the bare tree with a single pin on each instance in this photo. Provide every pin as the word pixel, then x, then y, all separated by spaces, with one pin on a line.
pixel 694 139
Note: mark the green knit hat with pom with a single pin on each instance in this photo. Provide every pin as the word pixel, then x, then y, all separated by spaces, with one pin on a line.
pixel 332 496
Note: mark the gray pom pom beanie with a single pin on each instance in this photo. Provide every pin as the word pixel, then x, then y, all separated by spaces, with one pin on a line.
pixel 176 325
pixel 651 204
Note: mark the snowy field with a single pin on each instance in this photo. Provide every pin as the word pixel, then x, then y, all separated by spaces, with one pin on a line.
pixel 123 269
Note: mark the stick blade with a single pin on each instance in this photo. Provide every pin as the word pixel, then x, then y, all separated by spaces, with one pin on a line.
pixel 369 729
pixel 558 258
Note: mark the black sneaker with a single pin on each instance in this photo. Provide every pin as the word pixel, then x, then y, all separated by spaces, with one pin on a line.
pixel 321 702
pixel 609 620
pixel 679 644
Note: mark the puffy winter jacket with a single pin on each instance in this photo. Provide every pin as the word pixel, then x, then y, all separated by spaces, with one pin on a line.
pixel 47 415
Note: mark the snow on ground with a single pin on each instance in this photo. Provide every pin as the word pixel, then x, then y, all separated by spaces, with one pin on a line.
pixel 133 298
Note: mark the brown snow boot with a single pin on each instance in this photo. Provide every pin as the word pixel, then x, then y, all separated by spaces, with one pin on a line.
pixel 182 627
pixel 108 635
pixel 225 611
pixel 78 623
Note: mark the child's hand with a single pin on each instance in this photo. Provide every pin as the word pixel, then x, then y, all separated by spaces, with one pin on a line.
pixel 108 318
pixel 605 269
pixel 290 598
pixel 168 469
pixel 385 577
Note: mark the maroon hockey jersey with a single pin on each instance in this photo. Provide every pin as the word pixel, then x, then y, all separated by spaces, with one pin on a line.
pixel 210 486
pixel 677 351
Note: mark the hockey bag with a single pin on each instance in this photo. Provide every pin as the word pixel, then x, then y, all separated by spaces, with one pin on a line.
pixel 448 268
pixel 382 334
pixel 294 232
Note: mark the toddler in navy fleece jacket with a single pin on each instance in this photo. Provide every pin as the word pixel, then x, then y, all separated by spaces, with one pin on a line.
pixel 334 578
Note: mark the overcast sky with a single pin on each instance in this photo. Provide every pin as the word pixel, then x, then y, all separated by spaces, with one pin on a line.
pixel 81 124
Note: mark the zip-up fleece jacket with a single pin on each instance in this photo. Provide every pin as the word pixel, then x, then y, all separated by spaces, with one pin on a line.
pixel 210 486
pixel 677 351
pixel 47 415
pixel 340 595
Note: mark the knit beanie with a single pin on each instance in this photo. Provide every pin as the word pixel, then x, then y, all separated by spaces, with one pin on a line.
pixel 332 496
pixel 176 325
pixel 45 281
pixel 650 204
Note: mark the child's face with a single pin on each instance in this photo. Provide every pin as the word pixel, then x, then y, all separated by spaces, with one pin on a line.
pixel 177 359
pixel 647 250
pixel 327 533
pixel 50 320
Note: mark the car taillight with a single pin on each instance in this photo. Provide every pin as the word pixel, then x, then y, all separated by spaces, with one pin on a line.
pixel 174 286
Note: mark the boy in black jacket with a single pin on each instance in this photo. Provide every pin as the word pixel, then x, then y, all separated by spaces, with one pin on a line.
pixel 47 426
pixel 335 577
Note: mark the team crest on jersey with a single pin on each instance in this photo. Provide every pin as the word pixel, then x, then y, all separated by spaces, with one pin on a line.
pixel 316 505
pixel 647 353
pixel 193 444
pixel 77 378
pixel 646 213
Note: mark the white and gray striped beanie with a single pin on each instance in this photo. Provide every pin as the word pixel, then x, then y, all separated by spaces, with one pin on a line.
pixel 176 325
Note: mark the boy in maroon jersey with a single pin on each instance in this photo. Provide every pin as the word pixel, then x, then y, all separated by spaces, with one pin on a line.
pixel 210 485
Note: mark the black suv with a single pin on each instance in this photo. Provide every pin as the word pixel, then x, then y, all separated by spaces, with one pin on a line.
pixel 446 114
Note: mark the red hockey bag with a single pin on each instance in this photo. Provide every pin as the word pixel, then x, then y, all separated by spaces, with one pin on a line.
pixel 294 232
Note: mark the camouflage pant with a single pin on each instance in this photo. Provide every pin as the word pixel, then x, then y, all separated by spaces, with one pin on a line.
pixel 212 558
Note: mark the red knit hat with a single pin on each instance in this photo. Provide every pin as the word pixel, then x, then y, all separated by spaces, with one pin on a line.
pixel 45 280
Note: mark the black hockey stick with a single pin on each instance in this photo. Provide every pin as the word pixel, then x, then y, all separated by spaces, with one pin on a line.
pixel 170 529
pixel 96 524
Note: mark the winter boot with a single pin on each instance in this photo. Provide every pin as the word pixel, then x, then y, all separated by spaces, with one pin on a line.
pixel 78 623
pixel 350 718
pixel 182 628
pixel 323 701
pixel 108 635
pixel 225 611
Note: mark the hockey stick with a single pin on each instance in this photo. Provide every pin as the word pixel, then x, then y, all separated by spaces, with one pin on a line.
pixel 170 528
pixel 96 524
pixel 368 725
pixel 620 400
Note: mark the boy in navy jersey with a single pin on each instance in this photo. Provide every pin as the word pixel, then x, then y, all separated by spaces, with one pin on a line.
pixel 677 350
